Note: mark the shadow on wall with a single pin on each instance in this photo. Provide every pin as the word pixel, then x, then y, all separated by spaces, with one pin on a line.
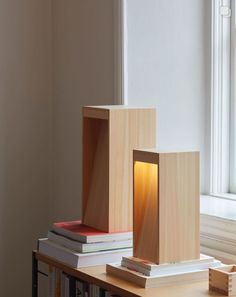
pixel 25 142
pixel 83 60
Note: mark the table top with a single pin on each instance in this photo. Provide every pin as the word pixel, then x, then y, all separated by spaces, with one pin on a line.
pixel 97 275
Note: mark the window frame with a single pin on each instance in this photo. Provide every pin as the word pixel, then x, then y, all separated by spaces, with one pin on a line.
pixel 233 101
pixel 220 100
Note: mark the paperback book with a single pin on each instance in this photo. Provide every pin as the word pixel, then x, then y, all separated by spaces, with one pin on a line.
pixel 77 260
pixel 152 269
pixel 77 231
pixel 88 247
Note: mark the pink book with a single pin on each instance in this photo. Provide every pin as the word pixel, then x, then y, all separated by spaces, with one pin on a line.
pixel 77 231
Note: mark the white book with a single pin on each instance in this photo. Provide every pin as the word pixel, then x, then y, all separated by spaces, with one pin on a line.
pixel 88 247
pixel 203 263
pixel 77 260
pixel 139 263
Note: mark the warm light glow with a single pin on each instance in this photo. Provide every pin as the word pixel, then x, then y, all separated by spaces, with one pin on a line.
pixel 145 208
pixel 146 168
pixel 145 179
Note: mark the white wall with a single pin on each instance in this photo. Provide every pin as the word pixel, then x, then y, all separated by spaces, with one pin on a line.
pixel 168 54
pixel 25 138
pixel 83 59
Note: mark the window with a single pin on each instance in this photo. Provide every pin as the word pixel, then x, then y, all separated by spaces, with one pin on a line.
pixel 218 216
pixel 223 153
pixel 233 102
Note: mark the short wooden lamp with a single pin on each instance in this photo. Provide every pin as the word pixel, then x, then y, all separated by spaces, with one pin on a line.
pixel 166 206
pixel 110 133
pixel 166 239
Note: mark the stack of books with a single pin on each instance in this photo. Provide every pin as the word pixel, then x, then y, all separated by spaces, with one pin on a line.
pixel 218 238
pixel 151 269
pixel 80 246
pixel 147 274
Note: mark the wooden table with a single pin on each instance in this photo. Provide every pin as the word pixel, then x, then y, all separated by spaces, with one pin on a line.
pixel 97 275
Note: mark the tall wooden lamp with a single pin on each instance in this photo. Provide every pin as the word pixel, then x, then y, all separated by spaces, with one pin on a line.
pixel 110 133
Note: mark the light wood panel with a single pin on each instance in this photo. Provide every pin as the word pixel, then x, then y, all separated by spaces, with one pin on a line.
pixel 107 163
pixel 129 129
pixel 179 208
pixel 97 275
pixel 176 213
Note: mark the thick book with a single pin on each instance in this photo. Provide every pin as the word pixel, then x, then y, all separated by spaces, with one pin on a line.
pixel 152 269
pixel 88 247
pixel 77 231
pixel 78 260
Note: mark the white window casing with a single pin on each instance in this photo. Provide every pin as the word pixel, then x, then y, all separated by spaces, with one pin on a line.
pixel 220 101
pixel 232 187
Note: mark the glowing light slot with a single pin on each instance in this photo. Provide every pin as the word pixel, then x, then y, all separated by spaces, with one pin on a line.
pixel 145 206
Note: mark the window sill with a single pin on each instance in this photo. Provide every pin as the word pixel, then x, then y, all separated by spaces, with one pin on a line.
pixel 217 227
pixel 222 206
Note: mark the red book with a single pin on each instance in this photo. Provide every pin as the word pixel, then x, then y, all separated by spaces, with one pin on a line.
pixel 77 231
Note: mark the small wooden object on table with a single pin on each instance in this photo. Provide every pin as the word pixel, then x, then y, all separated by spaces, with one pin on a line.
pixel 223 280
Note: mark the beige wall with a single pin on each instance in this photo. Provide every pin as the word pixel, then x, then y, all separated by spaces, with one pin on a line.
pixel 83 59
pixel 55 56
pixel 25 139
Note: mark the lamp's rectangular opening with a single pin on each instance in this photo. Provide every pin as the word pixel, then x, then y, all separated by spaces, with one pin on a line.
pixel 95 171
pixel 146 211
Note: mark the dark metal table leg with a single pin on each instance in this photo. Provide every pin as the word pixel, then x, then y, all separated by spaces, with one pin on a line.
pixel 34 275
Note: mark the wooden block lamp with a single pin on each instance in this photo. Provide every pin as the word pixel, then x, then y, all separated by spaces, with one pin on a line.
pixel 166 239
pixel 110 133
pixel 166 206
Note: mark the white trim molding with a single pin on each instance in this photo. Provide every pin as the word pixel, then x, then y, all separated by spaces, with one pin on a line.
pixel 232 188
pixel 220 100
